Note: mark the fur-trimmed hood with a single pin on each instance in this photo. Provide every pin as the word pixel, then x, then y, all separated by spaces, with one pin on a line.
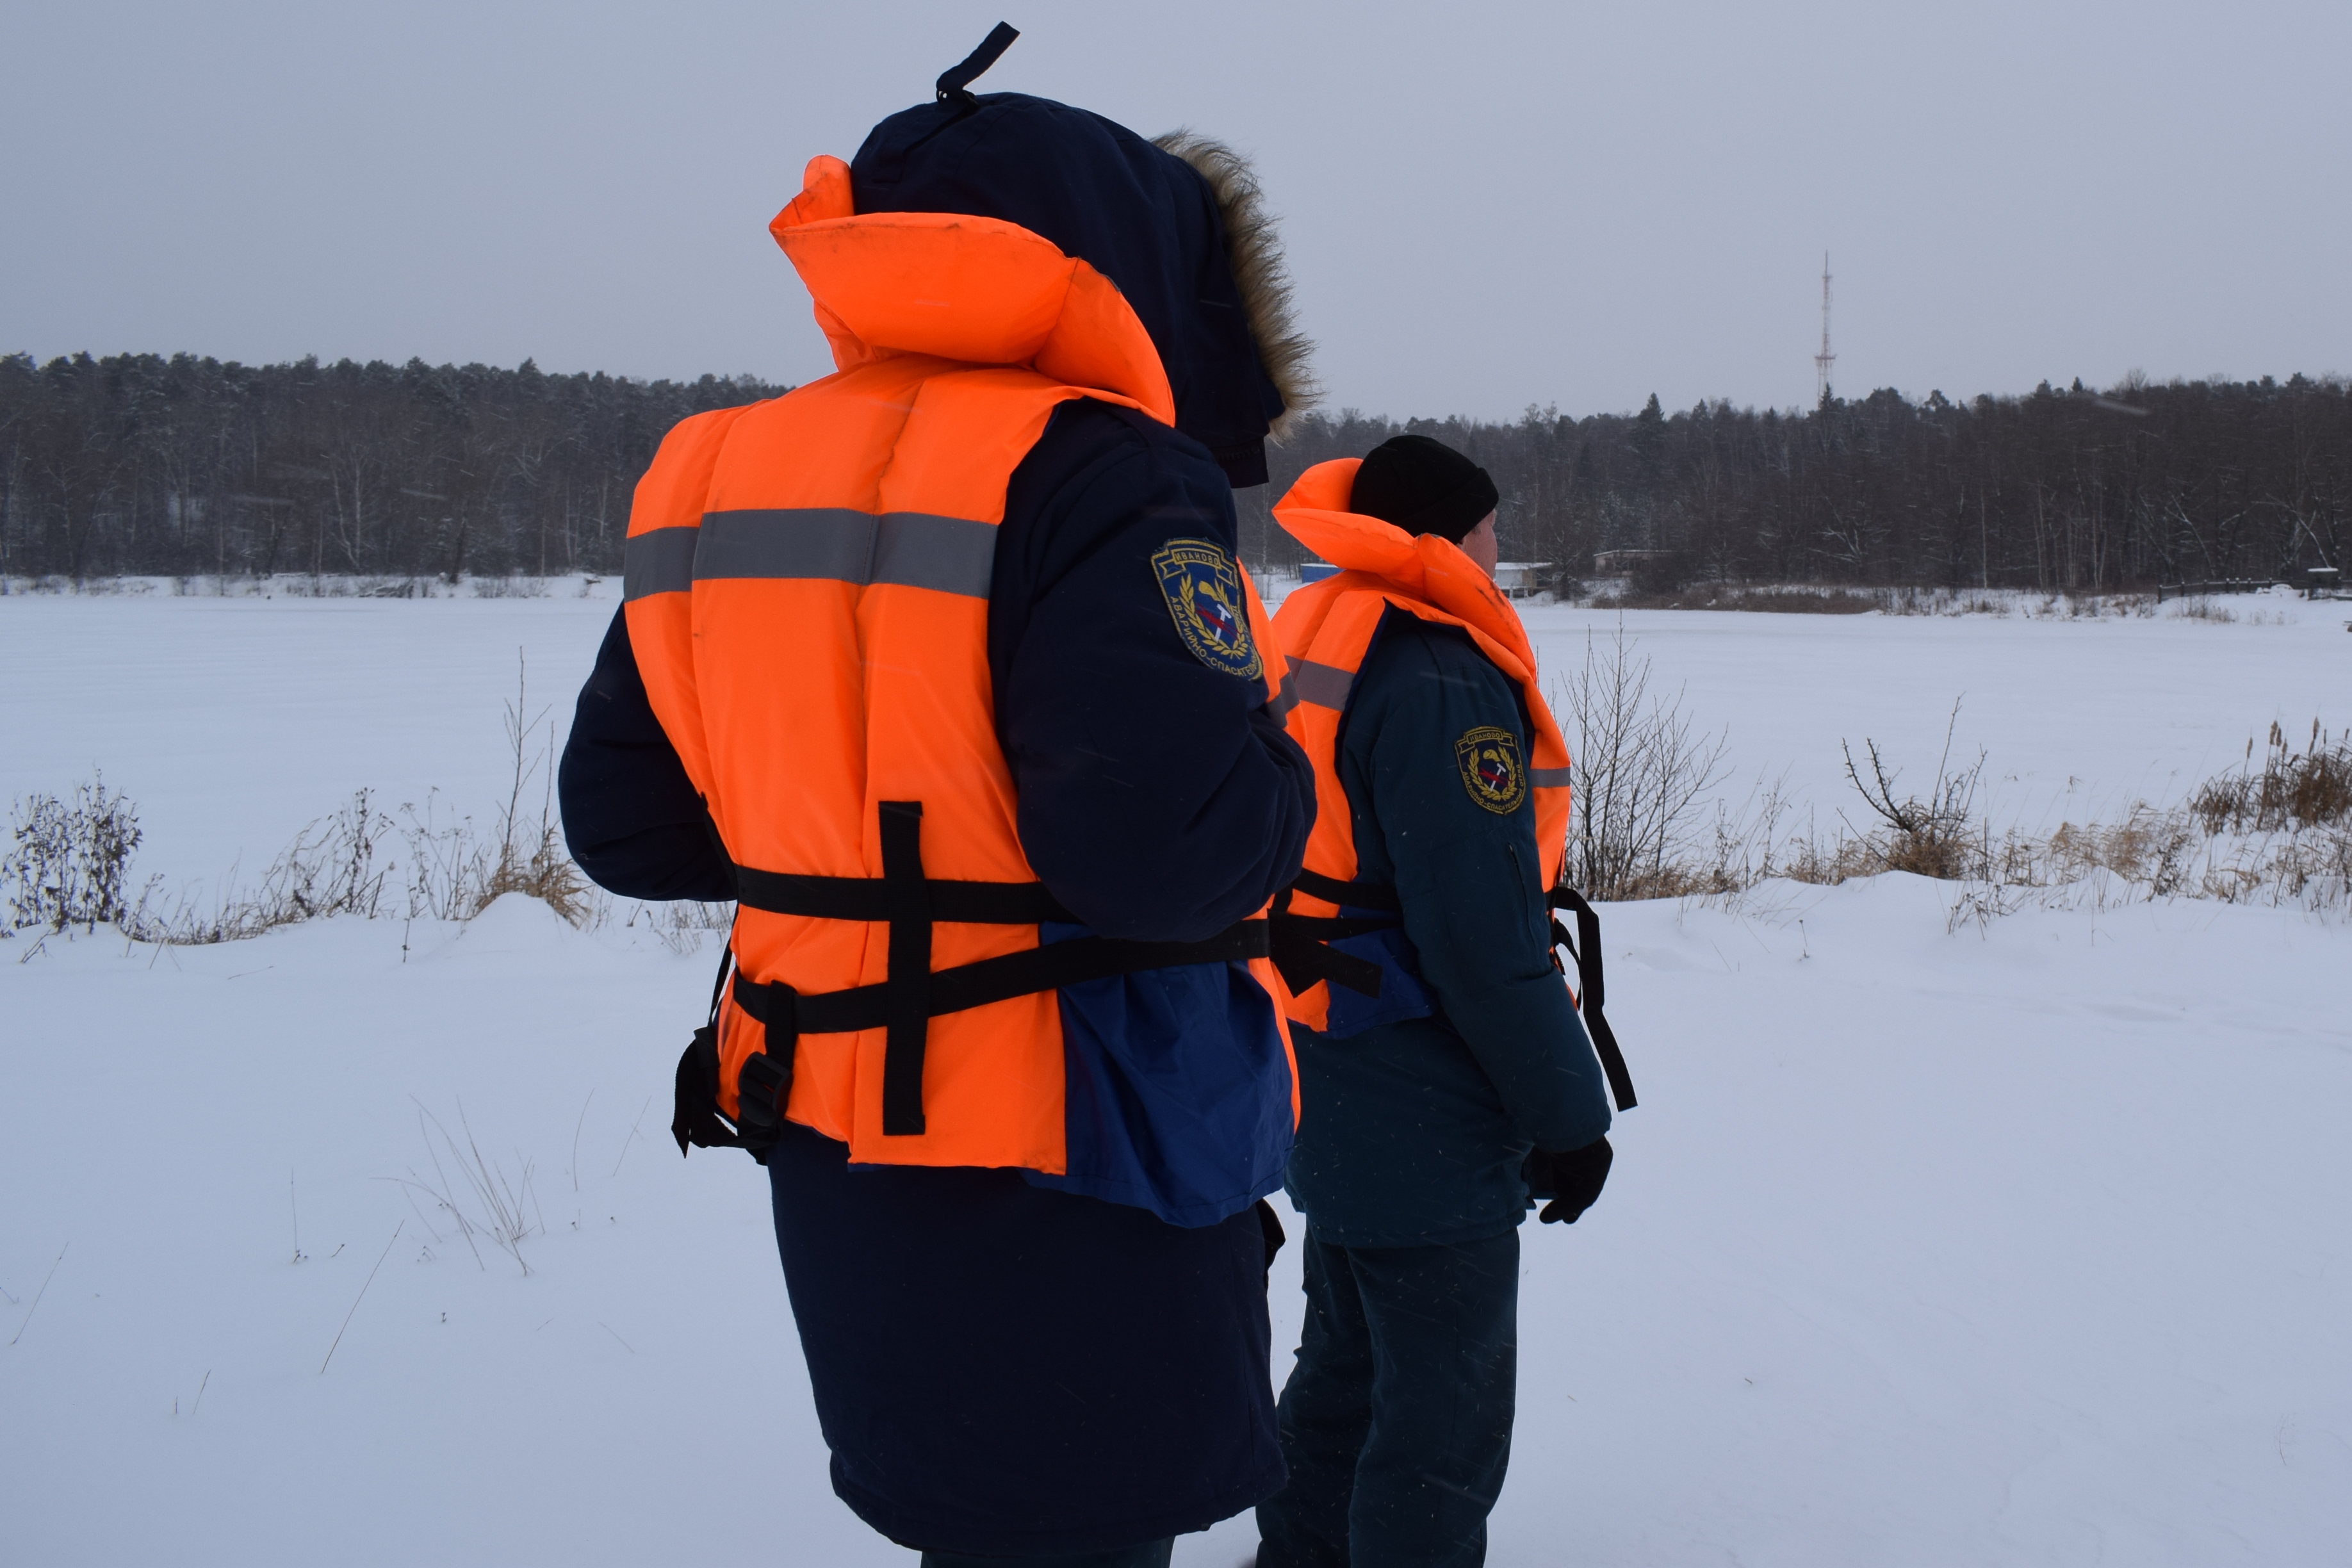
pixel 1254 251
pixel 1179 225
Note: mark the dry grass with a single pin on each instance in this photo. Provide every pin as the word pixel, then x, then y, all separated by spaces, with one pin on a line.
pixel 72 855
pixel 680 926
pixel 2277 831
pixel 484 1204
pixel 1789 601
pixel 2308 789
pixel 456 873
pixel 330 869
pixel 1817 599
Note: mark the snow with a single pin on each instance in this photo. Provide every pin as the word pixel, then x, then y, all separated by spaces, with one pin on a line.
pixel 2074 715
pixel 232 721
pixel 2022 1242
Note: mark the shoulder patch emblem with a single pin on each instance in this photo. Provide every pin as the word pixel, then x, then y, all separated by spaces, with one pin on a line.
pixel 1491 768
pixel 1204 590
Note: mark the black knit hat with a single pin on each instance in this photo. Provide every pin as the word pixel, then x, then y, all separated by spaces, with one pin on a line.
pixel 1423 487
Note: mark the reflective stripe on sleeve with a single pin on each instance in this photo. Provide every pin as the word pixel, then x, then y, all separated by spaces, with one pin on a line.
pixel 658 561
pixel 1325 685
pixel 1549 778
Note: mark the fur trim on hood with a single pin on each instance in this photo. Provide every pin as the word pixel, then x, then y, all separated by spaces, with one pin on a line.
pixel 1254 252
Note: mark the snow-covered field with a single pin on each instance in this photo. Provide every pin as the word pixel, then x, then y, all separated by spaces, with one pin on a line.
pixel 2025 1244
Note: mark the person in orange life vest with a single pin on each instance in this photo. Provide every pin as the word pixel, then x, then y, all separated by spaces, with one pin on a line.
pixel 954 648
pixel 1441 1057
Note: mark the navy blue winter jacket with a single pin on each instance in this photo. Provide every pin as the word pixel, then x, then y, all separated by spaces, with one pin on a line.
pixel 1001 1369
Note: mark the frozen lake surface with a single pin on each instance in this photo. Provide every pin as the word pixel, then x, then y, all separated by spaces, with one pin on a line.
pixel 2022 1243
pixel 234 722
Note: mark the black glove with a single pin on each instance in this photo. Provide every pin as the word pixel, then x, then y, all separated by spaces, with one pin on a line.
pixel 1571 1180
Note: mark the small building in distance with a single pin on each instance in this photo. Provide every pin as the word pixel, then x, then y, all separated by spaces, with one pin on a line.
pixel 1520 578
pixel 1624 563
pixel 1516 578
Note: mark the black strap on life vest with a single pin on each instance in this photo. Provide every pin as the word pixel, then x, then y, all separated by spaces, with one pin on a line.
pixel 907 992
pixel 694 1117
pixel 912 993
pixel 1301 943
pixel 1585 948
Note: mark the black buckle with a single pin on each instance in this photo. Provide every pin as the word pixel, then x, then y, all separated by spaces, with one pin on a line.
pixel 764 1085
pixel 762 1089
pixel 1301 947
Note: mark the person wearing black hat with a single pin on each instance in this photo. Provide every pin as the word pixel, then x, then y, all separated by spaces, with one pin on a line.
pixel 1424 486
pixel 1445 1074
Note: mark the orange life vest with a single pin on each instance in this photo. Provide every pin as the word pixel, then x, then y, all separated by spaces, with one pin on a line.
pixel 806 587
pixel 1325 629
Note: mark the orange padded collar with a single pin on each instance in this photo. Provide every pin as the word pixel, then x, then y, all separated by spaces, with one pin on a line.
pixel 1424 567
pixel 976 289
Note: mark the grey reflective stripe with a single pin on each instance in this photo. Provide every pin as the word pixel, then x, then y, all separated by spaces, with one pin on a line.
pixel 1325 685
pixel 1549 778
pixel 911 549
pixel 660 561
pixel 950 554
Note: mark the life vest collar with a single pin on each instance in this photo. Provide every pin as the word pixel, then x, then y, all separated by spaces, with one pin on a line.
pixel 974 289
pixel 1424 567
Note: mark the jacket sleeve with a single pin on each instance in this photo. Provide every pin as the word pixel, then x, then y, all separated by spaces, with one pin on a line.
pixel 631 818
pixel 1470 879
pixel 1159 800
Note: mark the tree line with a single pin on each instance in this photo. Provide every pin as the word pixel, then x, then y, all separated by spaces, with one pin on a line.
pixel 140 464
pixel 144 465
pixel 2071 491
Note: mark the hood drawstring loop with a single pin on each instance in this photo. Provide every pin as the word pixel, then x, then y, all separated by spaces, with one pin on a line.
pixel 955 82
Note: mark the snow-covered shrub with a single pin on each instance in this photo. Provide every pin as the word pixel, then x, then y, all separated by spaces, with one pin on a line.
pixel 68 857
pixel 1937 835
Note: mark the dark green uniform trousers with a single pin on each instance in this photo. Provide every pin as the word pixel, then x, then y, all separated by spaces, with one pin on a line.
pixel 1396 1423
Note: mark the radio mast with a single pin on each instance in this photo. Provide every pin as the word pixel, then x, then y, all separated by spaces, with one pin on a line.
pixel 1823 360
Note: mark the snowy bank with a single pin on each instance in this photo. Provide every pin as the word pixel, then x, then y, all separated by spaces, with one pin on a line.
pixel 2021 1244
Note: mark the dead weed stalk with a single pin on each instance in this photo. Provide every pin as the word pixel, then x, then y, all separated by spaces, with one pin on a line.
pixel 484 1204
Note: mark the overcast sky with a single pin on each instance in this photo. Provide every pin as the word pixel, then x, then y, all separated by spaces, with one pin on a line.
pixel 1486 207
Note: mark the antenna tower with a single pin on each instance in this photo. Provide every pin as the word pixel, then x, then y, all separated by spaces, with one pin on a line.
pixel 1823 360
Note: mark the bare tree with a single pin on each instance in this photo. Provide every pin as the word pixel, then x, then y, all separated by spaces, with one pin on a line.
pixel 1641 772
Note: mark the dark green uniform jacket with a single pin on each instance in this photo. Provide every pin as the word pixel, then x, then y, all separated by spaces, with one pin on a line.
pixel 1413 1130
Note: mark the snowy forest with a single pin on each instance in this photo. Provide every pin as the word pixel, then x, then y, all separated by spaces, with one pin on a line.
pixel 140 464
pixel 2071 490
pixel 181 466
